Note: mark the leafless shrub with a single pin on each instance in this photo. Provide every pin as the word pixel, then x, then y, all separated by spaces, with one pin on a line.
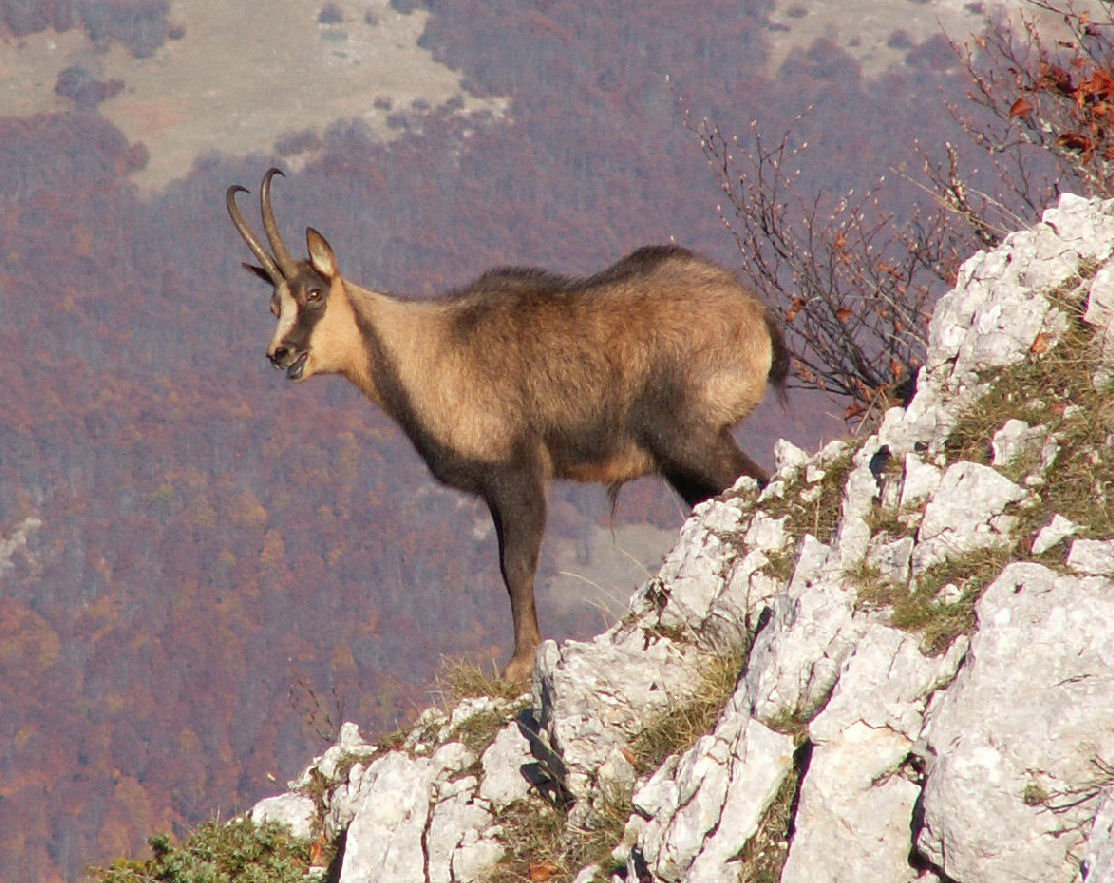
pixel 854 287
pixel 854 282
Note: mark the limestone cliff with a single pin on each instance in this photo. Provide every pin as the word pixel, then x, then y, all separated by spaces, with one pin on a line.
pixel 917 630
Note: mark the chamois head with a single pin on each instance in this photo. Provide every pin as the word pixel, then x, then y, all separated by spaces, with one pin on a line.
pixel 303 289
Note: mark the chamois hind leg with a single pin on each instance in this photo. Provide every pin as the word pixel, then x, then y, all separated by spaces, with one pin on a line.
pixel 517 502
pixel 699 466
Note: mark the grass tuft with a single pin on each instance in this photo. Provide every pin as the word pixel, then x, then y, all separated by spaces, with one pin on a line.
pixel 1055 389
pixel 459 679
pixel 812 508
pixel 239 852
pixel 541 845
pixel 680 729
pixel 921 608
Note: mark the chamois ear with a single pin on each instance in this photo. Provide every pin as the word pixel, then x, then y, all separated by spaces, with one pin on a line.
pixel 321 254
pixel 258 271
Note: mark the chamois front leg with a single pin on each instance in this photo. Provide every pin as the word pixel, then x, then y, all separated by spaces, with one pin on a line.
pixel 516 498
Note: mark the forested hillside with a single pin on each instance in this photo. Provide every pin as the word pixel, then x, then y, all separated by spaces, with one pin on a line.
pixel 221 559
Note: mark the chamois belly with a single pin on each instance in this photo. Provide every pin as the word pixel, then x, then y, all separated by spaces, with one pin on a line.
pixel 614 467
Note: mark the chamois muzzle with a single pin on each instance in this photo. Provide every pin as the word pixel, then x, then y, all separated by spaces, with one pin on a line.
pixel 287 357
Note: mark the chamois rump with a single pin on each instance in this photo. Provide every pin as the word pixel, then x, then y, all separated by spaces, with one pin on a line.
pixel 526 375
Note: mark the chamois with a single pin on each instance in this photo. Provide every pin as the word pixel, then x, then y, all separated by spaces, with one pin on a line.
pixel 525 375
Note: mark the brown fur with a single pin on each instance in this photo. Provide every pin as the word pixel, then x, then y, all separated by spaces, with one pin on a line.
pixel 525 376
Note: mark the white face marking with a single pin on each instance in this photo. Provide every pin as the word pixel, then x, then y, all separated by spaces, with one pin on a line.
pixel 288 315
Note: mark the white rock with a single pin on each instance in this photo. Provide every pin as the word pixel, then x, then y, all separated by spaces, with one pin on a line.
pixel 1100 313
pixel 452 842
pixel 1083 222
pixel 1097 864
pixel 788 458
pixel 1059 528
pixel 1092 556
pixel 593 698
pixel 1015 438
pixel 959 518
pixel 854 806
pixel 297 811
pixel 891 558
pixel 921 481
pixel 1033 704
pixel 860 492
pixel 767 534
pixel 504 782
pixel 350 738
pixel 475 858
pixel 797 657
pixel 385 839
pixel 587 874
pixel 452 757
pixel 853 802
pixel 693 571
pixel 759 763
pixel 702 808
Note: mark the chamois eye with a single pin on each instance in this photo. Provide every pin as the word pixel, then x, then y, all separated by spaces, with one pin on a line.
pixel 313 295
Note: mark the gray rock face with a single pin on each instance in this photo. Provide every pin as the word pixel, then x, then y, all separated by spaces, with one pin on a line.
pixel 1011 747
pixel 990 758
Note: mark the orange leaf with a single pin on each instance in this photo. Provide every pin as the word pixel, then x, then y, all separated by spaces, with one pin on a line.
pixel 1074 142
pixel 1041 343
pixel 1055 78
pixel 1021 108
pixel 794 308
pixel 844 315
pixel 853 410
pixel 1097 86
pixel 542 871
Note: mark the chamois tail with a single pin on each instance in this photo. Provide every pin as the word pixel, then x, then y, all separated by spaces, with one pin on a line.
pixel 782 359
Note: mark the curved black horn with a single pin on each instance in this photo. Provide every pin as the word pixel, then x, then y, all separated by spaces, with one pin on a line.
pixel 257 249
pixel 282 255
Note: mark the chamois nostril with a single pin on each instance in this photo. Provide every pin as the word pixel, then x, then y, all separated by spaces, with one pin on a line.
pixel 278 355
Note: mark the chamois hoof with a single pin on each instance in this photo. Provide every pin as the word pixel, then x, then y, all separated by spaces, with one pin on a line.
pixel 520 669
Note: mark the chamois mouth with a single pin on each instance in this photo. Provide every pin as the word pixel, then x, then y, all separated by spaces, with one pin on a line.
pixel 295 369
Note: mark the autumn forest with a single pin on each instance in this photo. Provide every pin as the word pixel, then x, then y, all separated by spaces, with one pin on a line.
pixel 204 570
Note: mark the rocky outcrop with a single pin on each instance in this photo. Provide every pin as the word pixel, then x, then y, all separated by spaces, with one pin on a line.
pixel 921 625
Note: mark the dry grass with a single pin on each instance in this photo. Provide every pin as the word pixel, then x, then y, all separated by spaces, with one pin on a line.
pixel 921 609
pixel 812 508
pixel 459 679
pixel 1054 389
pixel 540 844
pixel 679 730
pixel 763 858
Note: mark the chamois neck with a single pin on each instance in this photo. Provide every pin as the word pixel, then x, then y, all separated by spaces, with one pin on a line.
pixel 396 338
